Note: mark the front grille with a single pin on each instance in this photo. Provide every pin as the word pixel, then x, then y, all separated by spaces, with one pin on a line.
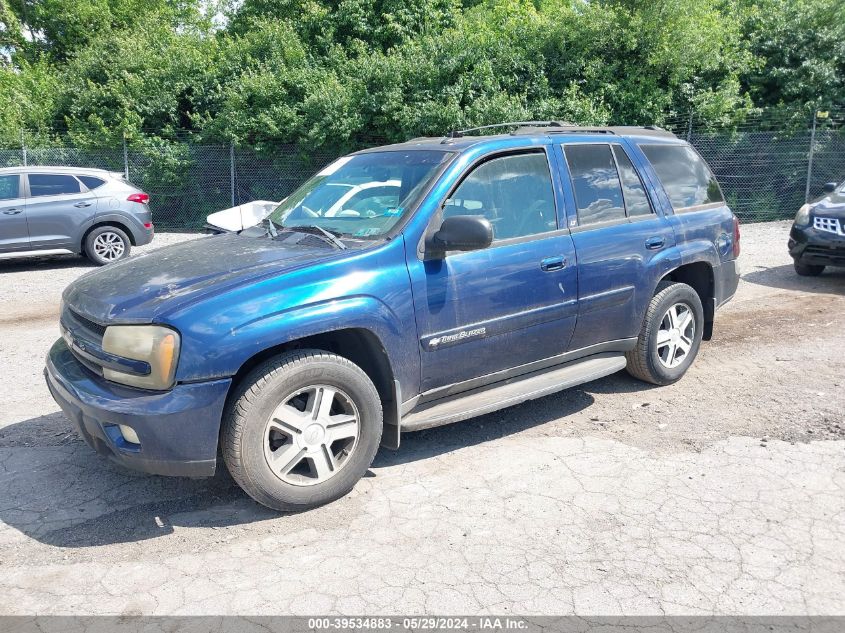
pixel 834 255
pixel 824 250
pixel 74 322
pixel 82 330
pixel 829 225
pixel 89 325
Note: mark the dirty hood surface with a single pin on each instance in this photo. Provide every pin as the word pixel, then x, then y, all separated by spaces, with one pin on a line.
pixel 142 287
pixel 831 206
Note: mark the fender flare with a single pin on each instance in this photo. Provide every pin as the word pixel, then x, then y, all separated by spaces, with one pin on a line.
pixel 96 221
pixel 240 343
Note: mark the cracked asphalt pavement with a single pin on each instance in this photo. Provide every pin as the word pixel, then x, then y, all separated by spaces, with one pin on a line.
pixel 721 494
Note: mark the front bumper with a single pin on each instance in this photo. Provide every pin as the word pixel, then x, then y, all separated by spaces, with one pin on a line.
pixel 177 429
pixel 816 248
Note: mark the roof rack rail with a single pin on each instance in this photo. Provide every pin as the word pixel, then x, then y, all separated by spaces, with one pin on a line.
pixel 622 130
pixel 561 127
pixel 460 133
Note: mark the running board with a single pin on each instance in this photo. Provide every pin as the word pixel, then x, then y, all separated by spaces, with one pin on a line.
pixel 512 391
pixel 41 253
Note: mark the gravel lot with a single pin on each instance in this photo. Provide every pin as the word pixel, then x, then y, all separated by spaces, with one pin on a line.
pixel 720 494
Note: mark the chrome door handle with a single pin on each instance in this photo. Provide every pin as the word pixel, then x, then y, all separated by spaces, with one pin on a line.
pixel 654 243
pixel 553 263
pixel 80 205
pixel 12 211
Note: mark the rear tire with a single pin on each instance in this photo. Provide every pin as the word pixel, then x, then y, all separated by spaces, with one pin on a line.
pixel 808 270
pixel 106 244
pixel 670 336
pixel 301 429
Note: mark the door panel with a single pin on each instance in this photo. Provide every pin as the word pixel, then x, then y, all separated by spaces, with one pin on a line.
pixel 617 238
pixel 56 209
pixel 512 303
pixel 14 234
pixel 614 276
pixel 489 310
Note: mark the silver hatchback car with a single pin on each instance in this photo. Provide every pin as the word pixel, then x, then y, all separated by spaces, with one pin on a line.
pixel 58 210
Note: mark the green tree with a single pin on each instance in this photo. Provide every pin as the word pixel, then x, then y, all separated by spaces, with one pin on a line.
pixel 335 75
pixel 800 48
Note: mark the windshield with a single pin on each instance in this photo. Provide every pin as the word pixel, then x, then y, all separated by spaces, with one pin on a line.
pixel 362 195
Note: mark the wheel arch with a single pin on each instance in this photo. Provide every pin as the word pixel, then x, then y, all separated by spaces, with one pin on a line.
pixel 699 276
pixel 98 223
pixel 358 345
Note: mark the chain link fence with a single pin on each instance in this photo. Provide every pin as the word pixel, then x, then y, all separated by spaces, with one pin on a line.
pixel 767 169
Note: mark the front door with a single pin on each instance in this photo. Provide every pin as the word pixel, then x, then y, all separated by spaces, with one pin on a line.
pixel 510 304
pixel 617 236
pixel 14 234
pixel 57 206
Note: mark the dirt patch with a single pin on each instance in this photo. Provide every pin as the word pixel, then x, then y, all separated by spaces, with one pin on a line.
pixel 30 315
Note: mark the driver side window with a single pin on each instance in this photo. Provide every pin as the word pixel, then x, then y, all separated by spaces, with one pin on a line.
pixel 373 201
pixel 513 192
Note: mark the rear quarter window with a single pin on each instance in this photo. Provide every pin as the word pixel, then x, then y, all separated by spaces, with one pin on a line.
pixel 685 177
pixel 92 182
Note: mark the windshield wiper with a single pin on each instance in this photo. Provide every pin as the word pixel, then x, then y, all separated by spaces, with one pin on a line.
pixel 328 236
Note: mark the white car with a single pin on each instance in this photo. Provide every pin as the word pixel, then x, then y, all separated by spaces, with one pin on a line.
pixel 242 216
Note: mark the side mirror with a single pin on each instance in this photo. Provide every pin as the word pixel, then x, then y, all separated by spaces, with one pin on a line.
pixel 829 187
pixel 462 233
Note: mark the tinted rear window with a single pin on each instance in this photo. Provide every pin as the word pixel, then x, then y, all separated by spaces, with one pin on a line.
pixel 91 182
pixel 598 193
pixel 9 187
pixel 685 177
pixel 52 184
pixel 636 200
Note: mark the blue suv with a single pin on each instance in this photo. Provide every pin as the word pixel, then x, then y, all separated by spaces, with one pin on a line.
pixel 459 275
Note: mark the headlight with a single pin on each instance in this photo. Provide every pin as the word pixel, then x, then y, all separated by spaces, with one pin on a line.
pixel 802 218
pixel 153 344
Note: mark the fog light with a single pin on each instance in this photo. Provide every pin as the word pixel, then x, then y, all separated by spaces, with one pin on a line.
pixel 129 434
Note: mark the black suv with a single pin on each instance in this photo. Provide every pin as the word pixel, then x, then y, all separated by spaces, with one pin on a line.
pixel 817 238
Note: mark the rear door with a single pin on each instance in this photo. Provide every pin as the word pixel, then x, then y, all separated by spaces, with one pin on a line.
pixel 57 207
pixel 618 235
pixel 14 234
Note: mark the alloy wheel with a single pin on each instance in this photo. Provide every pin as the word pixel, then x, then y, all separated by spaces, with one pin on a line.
pixel 676 335
pixel 311 435
pixel 109 246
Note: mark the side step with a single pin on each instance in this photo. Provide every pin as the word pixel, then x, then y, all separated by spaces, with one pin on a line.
pixel 513 391
pixel 42 253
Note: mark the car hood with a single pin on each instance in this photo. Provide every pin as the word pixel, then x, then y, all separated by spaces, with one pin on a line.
pixel 832 206
pixel 143 287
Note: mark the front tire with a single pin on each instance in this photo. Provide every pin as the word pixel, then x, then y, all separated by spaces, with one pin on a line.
pixel 107 244
pixel 670 336
pixel 808 270
pixel 301 429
